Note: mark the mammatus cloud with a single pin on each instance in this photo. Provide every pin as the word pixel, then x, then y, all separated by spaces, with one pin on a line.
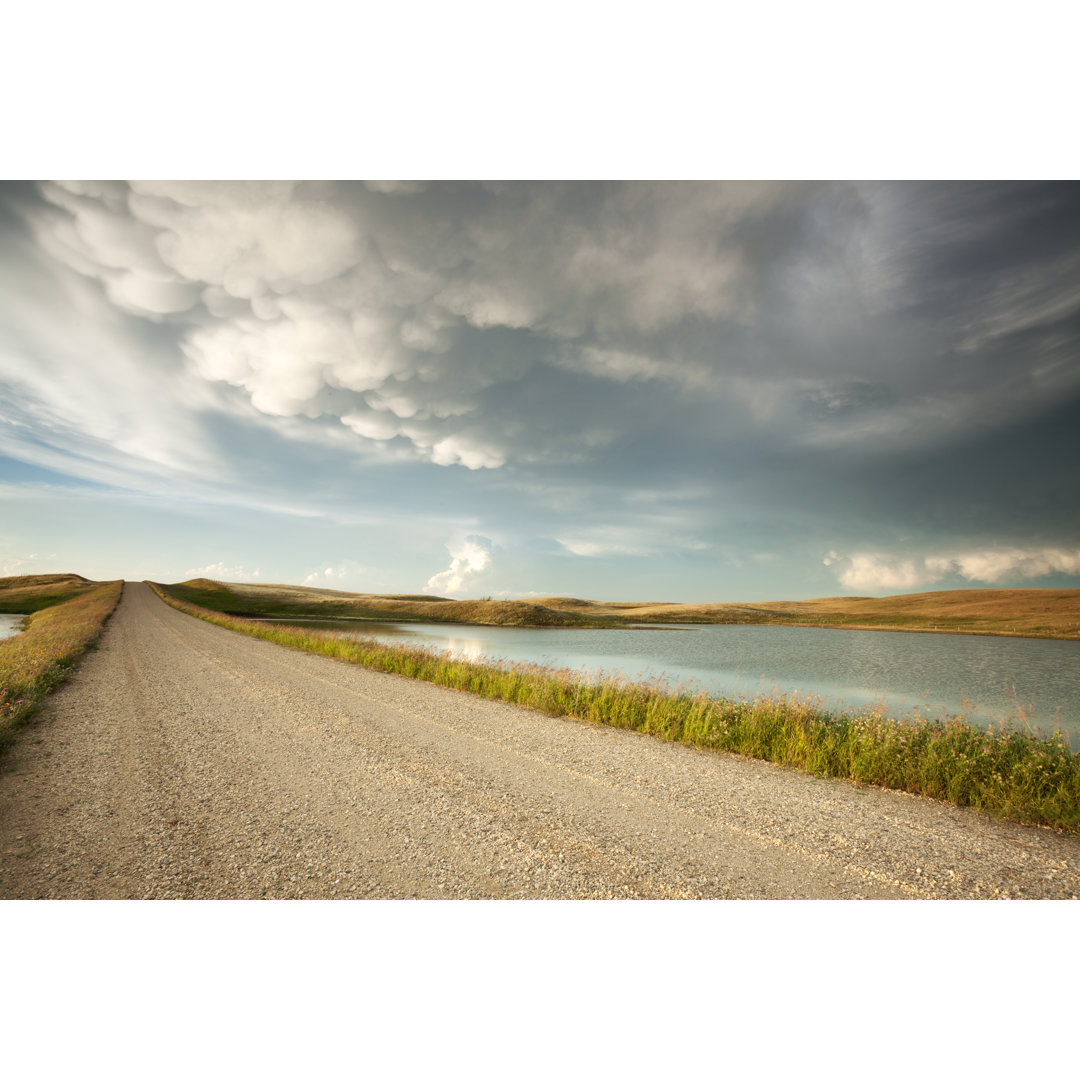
pixel 362 303
pixel 470 557
pixel 874 572
pixel 220 572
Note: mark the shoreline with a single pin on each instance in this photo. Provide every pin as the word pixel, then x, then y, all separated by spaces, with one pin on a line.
pixel 1003 771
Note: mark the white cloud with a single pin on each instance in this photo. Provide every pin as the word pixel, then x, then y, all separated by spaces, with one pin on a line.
pixel 104 400
pixel 326 577
pixel 395 187
pixel 660 534
pixel 871 573
pixel 461 450
pixel 220 572
pixel 388 306
pixel 874 572
pixel 268 247
pixel 306 297
pixel 591 549
pixel 102 240
pixel 997 565
pixel 469 558
pixel 621 366
pixel 29 564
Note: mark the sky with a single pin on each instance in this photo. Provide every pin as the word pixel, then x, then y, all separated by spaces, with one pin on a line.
pixel 682 391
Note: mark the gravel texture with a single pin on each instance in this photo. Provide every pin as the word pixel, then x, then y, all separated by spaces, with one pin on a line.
pixel 187 761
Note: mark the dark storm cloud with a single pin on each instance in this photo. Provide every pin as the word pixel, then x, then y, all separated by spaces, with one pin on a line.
pixel 625 368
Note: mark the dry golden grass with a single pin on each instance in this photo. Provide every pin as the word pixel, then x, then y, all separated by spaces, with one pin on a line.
pixel 293 601
pixel 32 592
pixel 1051 613
pixel 1024 612
pixel 40 658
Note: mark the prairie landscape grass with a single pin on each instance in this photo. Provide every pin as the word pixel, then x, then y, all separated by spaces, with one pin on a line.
pixel 1043 613
pixel 32 592
pixel 1005 770
pixel 298 601
pixel 40 658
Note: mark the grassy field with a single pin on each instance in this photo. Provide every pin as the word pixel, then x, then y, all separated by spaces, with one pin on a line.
pixel 1003 771
pixel 1048 613
pixel 296 601
pixel 34 592
pixel 69 612
pixel 1052 613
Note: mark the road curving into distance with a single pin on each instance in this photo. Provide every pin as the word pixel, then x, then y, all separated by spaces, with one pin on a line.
pixel 187 761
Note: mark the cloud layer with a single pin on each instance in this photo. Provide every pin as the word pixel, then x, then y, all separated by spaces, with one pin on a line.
pixel 708 383
pixel 363 304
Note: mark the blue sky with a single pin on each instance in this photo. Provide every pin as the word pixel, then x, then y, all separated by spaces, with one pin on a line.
pixel 653 391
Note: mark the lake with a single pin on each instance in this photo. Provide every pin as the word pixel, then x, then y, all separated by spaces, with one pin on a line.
pixel 9 625
pixel 986 678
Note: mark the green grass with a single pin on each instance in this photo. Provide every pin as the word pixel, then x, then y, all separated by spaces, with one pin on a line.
pixel 38 660
pixel 1005 771
pixel 34 592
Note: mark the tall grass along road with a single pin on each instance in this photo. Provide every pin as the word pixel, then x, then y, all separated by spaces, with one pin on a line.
pixel 183 760
pixel 66 622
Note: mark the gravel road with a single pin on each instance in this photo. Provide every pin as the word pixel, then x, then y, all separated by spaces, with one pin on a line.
pixel 188 761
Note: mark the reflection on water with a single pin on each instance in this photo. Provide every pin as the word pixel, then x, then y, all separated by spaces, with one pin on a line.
pixel 10 625
pixel 466 648
pixel 985 678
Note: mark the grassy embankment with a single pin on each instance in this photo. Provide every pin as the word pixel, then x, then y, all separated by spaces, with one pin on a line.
pixel 68 613
pixel 1007 771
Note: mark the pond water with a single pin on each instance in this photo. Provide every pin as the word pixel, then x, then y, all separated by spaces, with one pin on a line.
pixel 985 678
pixel 9 625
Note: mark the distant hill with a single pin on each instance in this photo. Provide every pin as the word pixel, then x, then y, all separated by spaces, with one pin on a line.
pixel 1025 612
pixel 301 601
pixel 1051 613
pixel 32 592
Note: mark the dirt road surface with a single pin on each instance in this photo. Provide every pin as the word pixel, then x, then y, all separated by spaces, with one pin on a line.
pixel 187 761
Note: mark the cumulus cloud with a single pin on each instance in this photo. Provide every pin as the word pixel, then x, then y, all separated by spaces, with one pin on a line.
pixel 327 577
pixel 470 557
pixel 996 566
pixel 871 572
pixel 456 449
